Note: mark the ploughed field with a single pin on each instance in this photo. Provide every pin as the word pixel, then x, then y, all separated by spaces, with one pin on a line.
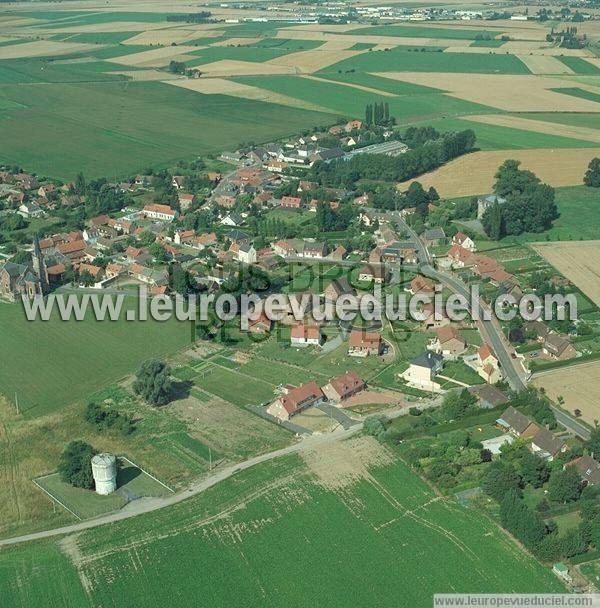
pixel 348 518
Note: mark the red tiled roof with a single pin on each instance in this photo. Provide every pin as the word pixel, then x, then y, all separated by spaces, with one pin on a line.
pixel 298 396
pixel 347 384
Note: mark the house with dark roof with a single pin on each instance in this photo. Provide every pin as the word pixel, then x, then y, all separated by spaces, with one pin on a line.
pixel 488 396
pixel 434 237
pixel 547 445
pixel 588 469
pixel 422 371
pixel 515 422
pixel 338 287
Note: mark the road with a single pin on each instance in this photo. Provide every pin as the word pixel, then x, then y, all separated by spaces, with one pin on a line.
pixel 571 424
pixel 139 507
pixel 489 328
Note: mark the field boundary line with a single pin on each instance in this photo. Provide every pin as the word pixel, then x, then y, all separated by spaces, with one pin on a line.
pixel 146 473
pixel 54 497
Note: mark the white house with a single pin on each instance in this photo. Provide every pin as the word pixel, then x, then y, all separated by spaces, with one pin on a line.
pixel 159 212
pixel 246 253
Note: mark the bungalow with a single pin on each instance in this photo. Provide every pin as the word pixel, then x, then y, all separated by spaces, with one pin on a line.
pixel 344 386
pixel 448 342
pixel 296 400
pixel 305 334
pixel 464 241
pixel 423 369
pixel 363 343
pixel 337 288
pixel 513 421
pixel 159 212
pixel 588 469
pixel 488 396
pixel 373 273
pixel 547 445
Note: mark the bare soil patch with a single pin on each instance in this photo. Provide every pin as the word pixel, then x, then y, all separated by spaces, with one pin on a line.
pixel 579 261
pixel 578 385
pixel 315 420
pixel 372 397
pixel 513 93
pixel 341 464
pixel 474 173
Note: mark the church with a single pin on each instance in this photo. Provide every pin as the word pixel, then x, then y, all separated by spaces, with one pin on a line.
pixel 18 280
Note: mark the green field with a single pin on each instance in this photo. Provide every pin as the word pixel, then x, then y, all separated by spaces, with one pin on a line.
pixel 579 65
pixel 495 137
pixel 55 363
pixel 576 119
pixel 120 128
pixel 401 59
pixel 418 31
pixel 351 102
pixel 384 540
pixel 577 92
pixel 234 387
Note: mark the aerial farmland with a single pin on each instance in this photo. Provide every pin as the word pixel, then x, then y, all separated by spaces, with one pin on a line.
pixel 164 164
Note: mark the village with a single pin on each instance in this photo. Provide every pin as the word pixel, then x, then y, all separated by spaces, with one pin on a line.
pixel 262 214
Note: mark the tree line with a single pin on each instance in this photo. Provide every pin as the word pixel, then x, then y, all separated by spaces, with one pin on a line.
pixel 429 156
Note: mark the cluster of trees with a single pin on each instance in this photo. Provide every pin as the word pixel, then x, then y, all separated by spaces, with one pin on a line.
pixel 177 67
pixel 416 196
pixel 330 220
pixel 414 137
pixel 378 114
pixel 568 37
pixel 153 382
pixel 592 175
pixel 104 418
pixel 507 477
pixel 529 206
pixel 75 464
pixel 432 154
pixel 448 462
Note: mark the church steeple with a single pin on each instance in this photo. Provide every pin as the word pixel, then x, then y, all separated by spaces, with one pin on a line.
pixel 39 265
